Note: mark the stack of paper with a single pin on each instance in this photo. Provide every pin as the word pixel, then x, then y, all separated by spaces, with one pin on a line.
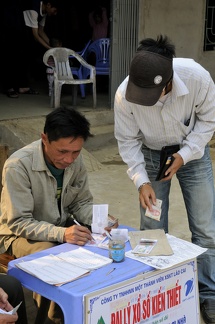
pixel 64 267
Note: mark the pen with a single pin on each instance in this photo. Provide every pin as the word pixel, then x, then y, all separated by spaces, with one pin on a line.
pixel 110 271
pixel 109 235
pixel 77 223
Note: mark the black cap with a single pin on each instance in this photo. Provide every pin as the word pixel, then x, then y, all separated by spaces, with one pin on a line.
pixel 149 74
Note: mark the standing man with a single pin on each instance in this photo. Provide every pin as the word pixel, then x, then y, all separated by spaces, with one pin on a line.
pixel 23 23
pixel 167 101
pixel 44 184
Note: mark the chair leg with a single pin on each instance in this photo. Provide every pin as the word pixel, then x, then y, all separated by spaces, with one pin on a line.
pixel 52 98
pixel 57 95
pixel 82 88
pixel 74 95
pixel 94 95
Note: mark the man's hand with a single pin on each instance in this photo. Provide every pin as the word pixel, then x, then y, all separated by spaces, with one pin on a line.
pixel 147 197
pixel 76 234
pixel 4 303
pixel 6 306
pixel 176 164
pixel 114 220
pixel 8 319
pixel 109 228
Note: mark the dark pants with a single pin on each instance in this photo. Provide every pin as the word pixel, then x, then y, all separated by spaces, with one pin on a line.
pixel 15 294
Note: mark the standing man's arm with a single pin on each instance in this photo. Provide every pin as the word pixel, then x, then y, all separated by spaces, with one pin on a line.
pixel 129 140
pixel 41 37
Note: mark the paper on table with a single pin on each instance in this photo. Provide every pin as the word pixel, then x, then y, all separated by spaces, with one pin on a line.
pixel 52 270
pixel 100 242
pixel 161 248
pixel 123 232
pixel 85 259
pixel 98 239
pixel 145 247
pixel 64 267
pixel 183 251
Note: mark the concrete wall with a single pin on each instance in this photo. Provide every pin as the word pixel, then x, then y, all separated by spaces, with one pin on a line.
pixel 183 21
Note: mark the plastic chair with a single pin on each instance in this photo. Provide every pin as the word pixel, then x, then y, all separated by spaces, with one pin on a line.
pixel 101 49
pixel 63 73
pixel 78 71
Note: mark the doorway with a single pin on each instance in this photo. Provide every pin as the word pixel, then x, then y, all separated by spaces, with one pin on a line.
pixel 72 26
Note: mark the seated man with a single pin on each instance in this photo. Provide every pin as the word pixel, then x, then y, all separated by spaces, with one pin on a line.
pixel 45 184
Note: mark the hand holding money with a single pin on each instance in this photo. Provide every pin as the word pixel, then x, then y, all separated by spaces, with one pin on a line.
pixel 156 210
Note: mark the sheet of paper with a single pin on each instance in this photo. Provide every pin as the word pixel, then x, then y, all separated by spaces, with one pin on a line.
pixel 98 239
pixel 64 267
pixel 183 251
pixel 120 231
pixel 85 259
pixel 52 270
pixel 102 244
pixel 12 312
pixel 100 218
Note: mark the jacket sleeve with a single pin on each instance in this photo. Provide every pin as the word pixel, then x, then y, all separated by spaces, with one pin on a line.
pixel 17 206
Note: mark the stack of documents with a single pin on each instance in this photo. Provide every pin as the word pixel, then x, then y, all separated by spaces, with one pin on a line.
pixel 64 267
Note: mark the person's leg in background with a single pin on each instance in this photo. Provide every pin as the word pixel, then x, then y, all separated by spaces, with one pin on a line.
pixel 197 184
pixel 14 290
pixel 25 58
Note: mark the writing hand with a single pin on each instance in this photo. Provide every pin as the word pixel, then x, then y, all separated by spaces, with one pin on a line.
pixel 76 234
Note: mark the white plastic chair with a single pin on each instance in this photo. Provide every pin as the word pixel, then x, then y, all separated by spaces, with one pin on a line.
pixel 63 73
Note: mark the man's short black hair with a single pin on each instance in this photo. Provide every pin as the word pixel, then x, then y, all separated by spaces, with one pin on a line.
pixel 66 122
pixel 162 46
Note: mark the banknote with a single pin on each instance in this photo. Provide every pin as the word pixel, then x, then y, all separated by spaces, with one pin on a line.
pixel 156 213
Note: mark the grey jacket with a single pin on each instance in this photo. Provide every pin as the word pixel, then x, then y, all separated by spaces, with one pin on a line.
pixel 28 201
